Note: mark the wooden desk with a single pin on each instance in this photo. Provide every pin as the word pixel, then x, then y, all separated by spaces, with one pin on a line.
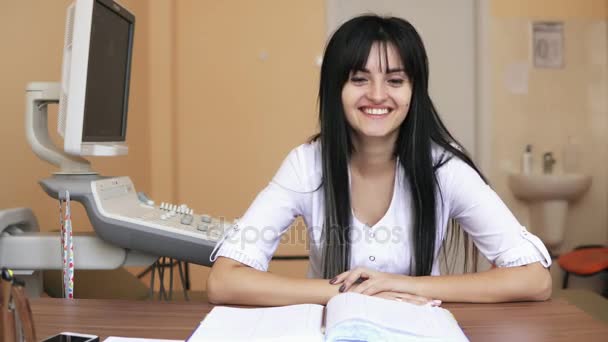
pixel 554 320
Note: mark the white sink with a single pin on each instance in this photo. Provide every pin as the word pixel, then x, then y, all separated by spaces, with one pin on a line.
pixel 541 187
pixel 548 197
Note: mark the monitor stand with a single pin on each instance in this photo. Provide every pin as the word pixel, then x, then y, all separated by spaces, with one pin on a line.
pixel 38 96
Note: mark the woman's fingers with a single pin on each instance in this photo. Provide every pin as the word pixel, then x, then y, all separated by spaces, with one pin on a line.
pixel 379 283
pixel 406 297
pixel 349 281
pixel 339 278
pixel 369 287
pixel 354 277
pixel 349 278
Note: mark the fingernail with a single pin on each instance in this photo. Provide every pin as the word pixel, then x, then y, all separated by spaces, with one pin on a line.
pixel 342 288
pixel 436 302
pixel 333 280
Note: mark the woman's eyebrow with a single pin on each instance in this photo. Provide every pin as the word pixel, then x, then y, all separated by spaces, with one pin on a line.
pixel 395 70
pixel 388 71
pixel 365 70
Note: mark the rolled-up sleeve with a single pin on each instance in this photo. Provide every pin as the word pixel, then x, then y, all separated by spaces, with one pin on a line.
pixel 484 216
pixel 255 236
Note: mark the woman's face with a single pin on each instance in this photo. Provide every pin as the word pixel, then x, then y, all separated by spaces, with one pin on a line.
pixel 376 100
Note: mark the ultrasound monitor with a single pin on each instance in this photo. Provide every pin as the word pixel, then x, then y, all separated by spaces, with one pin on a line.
pixel 96 70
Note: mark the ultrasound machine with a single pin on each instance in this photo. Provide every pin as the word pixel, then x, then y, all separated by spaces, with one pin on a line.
pixel 130 228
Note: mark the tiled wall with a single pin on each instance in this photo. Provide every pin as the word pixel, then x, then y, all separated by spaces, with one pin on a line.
pixel 548 107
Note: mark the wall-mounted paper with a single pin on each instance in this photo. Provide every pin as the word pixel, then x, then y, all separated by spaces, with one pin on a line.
pixel 516 78
pixel 548 44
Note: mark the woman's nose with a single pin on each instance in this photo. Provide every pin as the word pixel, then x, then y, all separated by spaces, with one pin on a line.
pixel 377 92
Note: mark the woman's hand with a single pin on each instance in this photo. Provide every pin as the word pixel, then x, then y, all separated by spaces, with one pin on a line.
pixel 379 284
pixel 369 282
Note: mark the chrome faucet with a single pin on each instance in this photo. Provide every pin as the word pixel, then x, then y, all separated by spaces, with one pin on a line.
pixel 548 162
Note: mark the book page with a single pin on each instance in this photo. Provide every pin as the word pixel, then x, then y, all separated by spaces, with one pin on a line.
pixel 293 322
pixel 399 317
pixel 131 339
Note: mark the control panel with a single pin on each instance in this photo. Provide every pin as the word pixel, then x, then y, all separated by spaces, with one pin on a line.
pixel 128 219
pixel 116 198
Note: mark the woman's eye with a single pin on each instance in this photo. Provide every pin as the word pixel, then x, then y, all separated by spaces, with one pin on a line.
pixel 396 81
pixel 357 79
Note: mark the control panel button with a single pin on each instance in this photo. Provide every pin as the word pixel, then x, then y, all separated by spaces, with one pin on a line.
pixel 206 218
pixel 187 220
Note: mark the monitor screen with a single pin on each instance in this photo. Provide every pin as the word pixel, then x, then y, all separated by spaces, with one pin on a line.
pixel 107 85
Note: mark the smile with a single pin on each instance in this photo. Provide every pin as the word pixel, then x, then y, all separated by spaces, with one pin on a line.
pixel 377 112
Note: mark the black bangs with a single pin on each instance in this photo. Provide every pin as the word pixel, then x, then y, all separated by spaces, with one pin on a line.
pixel 348 50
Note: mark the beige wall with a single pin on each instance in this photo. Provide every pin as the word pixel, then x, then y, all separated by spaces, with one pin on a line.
pixel 246 83
pixel 31 33
pixel 549 9
pixel 232 89
pixel 558 104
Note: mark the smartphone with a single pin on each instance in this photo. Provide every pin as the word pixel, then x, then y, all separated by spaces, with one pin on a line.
pixel 72 337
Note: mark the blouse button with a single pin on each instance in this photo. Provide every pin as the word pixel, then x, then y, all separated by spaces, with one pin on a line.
pixel 372 258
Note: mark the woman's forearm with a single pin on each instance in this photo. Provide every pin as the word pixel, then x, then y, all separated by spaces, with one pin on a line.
pixel 232 283
pixel 530 282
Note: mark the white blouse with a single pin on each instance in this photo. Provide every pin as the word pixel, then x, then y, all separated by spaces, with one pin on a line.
pixel 296 191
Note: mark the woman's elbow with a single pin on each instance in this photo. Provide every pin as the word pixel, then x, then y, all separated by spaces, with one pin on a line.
pixel 216 291
pixel 218 285
pixel 542 285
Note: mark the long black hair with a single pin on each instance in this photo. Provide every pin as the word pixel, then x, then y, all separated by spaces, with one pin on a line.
pixel 348 50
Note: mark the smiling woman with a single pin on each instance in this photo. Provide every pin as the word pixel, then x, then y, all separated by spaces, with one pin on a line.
pixel 376 99
pixel 380 188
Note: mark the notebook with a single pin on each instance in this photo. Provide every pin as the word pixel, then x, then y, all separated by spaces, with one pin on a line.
pixel 132 339
pixel 347 317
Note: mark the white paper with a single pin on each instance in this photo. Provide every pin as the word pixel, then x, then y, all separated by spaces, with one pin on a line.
pixel 284 323
pixel 517 78
pixel 130 339
pixel 548 44
pixel 410 319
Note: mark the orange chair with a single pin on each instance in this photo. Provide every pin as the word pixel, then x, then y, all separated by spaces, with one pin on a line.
pixel 584 261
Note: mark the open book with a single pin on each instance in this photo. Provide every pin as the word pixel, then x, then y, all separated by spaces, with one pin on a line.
pixel 348 317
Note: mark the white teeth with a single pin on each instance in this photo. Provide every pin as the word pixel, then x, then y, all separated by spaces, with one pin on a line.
pixel 376 111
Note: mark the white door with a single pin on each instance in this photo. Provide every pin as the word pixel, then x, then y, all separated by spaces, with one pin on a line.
pixel 448 29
